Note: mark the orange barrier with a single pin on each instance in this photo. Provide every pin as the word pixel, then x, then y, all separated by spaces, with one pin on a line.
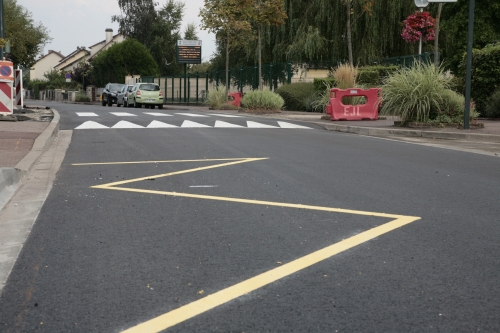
pixel 339 111
pixel 235 98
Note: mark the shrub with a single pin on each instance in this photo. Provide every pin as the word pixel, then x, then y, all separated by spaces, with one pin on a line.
pixel 216 97
pixel 369 78
pixel 493 105
pixel 82 97
pixel 485 74
pixel 296 95
pixel 262 100
pixel 321 83
pixel 422 93
pixel 345 76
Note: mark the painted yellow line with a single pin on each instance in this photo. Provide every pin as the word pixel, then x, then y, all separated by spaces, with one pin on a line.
pixel 168 161
pixel 255 202
pixel 195 308
pixel 128 181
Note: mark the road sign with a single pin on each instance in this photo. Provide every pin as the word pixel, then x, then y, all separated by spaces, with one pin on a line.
pixel 6 71
pixel 68 77
pixel 189 51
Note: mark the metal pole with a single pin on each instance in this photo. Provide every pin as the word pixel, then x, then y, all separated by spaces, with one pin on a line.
pixel 468 75
pixel 2 31
pixel 185 83
pixel 420 42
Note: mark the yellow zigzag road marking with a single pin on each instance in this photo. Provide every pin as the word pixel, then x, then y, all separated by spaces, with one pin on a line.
pixel 209 302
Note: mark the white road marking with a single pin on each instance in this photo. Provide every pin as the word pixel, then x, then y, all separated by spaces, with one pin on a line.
pixel 90 125
pixel 193 115
pixel 123 114
pixel 192 124
pixel 126 124
pixel 253 124
pixel 158 114
pixel 159 124
pixel 87 114
pixel 224 115
pixel 204 186
pixel 219 123
pixel 284 124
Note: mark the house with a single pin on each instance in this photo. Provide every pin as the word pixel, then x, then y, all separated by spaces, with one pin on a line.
pixel 45 64
pixel 106 43
pixel 71 61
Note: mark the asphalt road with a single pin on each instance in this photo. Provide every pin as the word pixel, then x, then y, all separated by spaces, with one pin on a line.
pixel 257 230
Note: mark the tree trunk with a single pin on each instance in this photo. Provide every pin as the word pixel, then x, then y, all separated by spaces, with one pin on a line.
pixel 349 39
pixel 227 68
pixel 260 60
pixel 436 31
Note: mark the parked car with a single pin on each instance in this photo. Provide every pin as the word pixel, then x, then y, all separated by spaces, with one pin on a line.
pixel 148 94
pixel 121 97
pixel 109 95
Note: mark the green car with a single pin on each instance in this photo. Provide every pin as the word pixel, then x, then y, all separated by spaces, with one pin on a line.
pixel 148 94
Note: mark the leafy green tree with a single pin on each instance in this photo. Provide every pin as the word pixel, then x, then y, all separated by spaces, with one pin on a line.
pixel 190 32
pixel 27 38
pixel 228 20
pixel 157 29
pixel 82 73
pixel 126 58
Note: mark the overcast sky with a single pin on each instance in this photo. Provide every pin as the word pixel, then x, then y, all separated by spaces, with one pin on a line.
pixel 83 22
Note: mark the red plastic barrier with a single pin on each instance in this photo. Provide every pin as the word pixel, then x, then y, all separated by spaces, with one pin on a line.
pixel 236 98
pixel 369 110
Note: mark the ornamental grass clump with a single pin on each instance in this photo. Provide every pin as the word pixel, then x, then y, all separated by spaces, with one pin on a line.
pixel 345 76
pixel 262 100
pixel 216 97
pixel 422 94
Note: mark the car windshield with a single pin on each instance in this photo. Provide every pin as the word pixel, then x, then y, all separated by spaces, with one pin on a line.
pixel 115 87
pixel 149 87
pixel 130 88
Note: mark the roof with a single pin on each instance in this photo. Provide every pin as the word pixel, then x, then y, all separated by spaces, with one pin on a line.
pixel 104 46
pixel 73 62
pixel 50 52
pixel 103 41
pixel 78 49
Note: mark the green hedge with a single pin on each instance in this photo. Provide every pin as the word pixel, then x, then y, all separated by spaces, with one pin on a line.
pixel 296 95
pixel 492 109
pixel 485 74
pixel 320 84
pixel 367 76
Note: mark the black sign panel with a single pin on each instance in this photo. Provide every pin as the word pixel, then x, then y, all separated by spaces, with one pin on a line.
pixel 188 54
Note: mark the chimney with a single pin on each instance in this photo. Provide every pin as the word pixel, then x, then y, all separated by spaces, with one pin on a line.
pixel 109 35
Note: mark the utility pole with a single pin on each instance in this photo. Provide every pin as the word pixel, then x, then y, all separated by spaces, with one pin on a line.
pixel 2 30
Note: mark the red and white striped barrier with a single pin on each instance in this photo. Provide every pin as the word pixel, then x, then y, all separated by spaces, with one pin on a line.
pixel 6 79
pixel 18 84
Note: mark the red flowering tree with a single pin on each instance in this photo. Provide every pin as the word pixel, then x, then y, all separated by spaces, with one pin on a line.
pixel 419 24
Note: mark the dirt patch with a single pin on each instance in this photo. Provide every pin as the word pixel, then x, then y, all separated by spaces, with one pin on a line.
pixel 34 114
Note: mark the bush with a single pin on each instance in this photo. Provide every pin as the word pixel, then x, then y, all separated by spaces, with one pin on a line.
pixel 493 105
pixel 368 78
pixel 216 97
pixel 422 94
pixel 322 83
pixel 296 95
pixel 262 100
pixel 485 74
pixel 82 97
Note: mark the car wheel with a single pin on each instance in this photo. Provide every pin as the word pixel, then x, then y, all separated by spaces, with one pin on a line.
pixel 137 105
pixel 152 106
pixel 110 103
pixel 103 102
pixel 160 106
pixel 118 105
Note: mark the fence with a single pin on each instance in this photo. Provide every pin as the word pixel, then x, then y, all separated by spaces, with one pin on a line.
pixel 410 60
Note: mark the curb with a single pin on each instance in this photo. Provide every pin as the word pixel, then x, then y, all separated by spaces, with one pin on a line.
pixel 384 132
pixel 10 178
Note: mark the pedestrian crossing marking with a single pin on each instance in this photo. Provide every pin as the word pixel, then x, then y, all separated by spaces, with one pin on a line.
pixel 253 124
pixel 284 124
pixel 192 115
pixel 91 125
pixel 209 302
pixel 224 115
pixel 123 114
pixel 126 124
pixel 223 124
pixel 87 114
pixel 192 124
pixel 159 114
pixel 160 124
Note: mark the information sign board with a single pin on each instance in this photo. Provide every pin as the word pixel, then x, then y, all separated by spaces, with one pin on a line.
pixel 189 51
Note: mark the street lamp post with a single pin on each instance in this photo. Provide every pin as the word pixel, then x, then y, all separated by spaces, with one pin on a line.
pixel 2 33
pixel 421 4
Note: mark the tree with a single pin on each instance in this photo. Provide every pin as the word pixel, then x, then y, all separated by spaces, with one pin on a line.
pixel 157 29
pixel 227 19
pixel 126 58
pixel 190 32
pixel 82 73
pixel 27 38
pixel 266 13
